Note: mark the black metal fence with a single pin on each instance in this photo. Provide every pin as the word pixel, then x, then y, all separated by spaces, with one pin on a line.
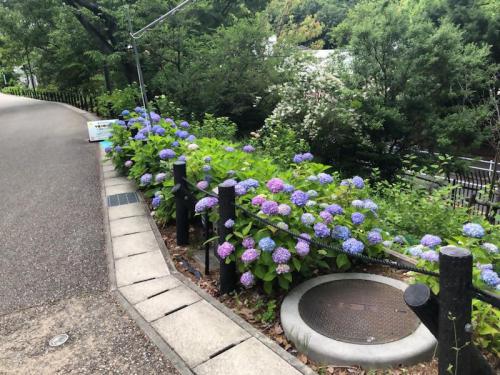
pixel 82 100
pixel 447 316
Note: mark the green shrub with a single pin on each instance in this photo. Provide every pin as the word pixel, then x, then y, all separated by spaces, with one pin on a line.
pixel 111 104
pixel 214 127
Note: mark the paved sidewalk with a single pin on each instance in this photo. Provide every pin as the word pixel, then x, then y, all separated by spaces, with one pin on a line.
pixel 199 334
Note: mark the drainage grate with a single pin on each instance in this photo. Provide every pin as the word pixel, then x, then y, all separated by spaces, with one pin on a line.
pixel 121 199
pixel 358 312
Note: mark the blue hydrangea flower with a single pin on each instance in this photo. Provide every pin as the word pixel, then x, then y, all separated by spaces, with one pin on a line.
pixel 250 183
pixel 312 193
pixel 228 182
pixel 160 177
pixel 182 134
pixel 334 209
pixel 122 123
pixel 175 144
pixel 307 156
pixel 206 168
pixel 146 178
pixel 430 240
pixel 239 189
pixel 191 138
pixel 158 130
pixel 267 244
pixel 324 178
pixel 341 232
pixel 229 223
pixel 156 202
pixel 374 237
pixel 430 256
pixel 166 154
pixel 288 188
pixel 248 149
pixel 229 149
pixel 155 117
pixel 370 205
pixel 307 219
pixel 108 149
pixel 140 137
pixel 490 277
pixel 353 246
pixel 416 251
pixel 358 182
pixel 473 230
pixel 357 203
pixel 345 183
pixel 182 158
pixel 125 112
pixel 490 248
pixel 118 149
pixel 321 230
pixel 312 178
pixel 357 218
pixel 207 159
pixel 184 124
pixel 299 198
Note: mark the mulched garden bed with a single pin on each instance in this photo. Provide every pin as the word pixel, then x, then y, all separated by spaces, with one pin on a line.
pixel 262 311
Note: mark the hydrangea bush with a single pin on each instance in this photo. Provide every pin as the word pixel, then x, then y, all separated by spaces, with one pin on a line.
pixel 306 198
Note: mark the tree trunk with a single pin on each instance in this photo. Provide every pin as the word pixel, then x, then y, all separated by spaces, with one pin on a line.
pixel 107 78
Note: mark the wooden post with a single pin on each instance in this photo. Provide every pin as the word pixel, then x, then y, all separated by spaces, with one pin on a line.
pixel 181 204
pixel 227 211
pixel 455 301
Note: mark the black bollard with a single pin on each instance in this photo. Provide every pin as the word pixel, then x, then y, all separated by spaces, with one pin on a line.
pixel 424 304
pixel 455 301
pixel 227 211
pixel 181 204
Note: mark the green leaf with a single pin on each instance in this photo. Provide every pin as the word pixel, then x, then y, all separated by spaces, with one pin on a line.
pixel 259 271
pixel 343 261
pixel 270 276
pixel 284 283
pixel 296 263
pixel 246 230
pixel 268 287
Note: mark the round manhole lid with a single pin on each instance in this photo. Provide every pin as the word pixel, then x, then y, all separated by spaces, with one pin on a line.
pixel 358 311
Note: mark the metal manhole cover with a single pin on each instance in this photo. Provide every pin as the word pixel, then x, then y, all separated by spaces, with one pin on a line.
pixel 358 312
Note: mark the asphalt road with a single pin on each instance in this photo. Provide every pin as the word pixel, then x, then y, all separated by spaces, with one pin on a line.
pixel 52 245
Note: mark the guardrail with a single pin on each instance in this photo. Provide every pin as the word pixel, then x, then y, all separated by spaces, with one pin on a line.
pixel 79 99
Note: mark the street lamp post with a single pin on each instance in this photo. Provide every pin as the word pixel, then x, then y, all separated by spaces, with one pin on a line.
pixel 137 35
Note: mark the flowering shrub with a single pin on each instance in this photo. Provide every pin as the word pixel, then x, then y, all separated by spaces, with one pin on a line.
pixel 305 198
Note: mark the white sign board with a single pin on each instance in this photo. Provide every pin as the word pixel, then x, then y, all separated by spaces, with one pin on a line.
pixel 100 130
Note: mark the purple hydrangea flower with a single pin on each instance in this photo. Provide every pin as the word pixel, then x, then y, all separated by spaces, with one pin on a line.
pixel 299 198
pixel 229 223
pixel 207 159
pixel 229 182
pixel 239 189
pixel 258 200
pixel 159 130
pixel 374 237
pixel 307 156
pixel 108 149
pixel 191 138
pixel 281 255
pixel 430 256
pixel 182 158
pixel 166 154
pixel 202 184
pixel 171 122
pixel 160 177
pixel 206 168
pixel 483 267
pixel 298 158
pixel 358 203
pixel 146 178
pixel 326 217
pixel 282 268
pixel 225 249
pixel 312 178
pixel 129 163
pixel 490 277
pixel 275 185
pixel 267 244
pixel 156 202
pixel 205 204
pixel 358 182
pixel 248 242
pixel 324 178
pixel 248 149
pixel 302 248
pixel 399 239
pixel 345 183
pixel 357 218
pixel 270 207
pixel 247 279
pixel 321 230
pixel 490 248
pixel 284 209
pixel 184 124
pixel 334 209
pixel 229 149
pixel 430 240
pixel 341 232
pixel 288 188
pixel 353 246
pixel 155 117
pixel 139 109
pixel 473 230
pixel 175 144
pixel 118 149
pixel 250 255
pixel 307 218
